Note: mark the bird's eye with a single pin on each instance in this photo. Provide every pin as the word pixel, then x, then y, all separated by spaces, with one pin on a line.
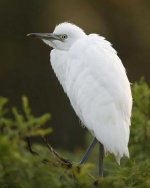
pixel 64 36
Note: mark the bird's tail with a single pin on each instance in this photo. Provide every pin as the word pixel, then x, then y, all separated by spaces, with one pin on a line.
pixel 118 157
pixel 116 141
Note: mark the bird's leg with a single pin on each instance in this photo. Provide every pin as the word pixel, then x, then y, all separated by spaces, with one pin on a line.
pixel 101 155
pixel 91 146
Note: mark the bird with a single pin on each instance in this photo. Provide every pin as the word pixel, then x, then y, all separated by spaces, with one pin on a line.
pixel 96 83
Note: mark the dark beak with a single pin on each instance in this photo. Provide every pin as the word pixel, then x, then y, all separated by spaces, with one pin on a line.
pixel 47 36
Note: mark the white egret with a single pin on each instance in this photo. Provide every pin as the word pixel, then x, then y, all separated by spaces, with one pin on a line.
pixel 95 81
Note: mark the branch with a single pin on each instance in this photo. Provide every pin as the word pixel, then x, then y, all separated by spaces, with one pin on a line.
pixel 61 159
pixel 29 147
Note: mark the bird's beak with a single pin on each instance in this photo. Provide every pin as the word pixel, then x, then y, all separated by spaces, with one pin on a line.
pixel 47 36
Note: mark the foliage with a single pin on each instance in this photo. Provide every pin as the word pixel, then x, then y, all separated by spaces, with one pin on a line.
pixel 19 168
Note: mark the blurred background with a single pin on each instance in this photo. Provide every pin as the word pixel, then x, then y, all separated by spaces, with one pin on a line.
pixel 24 62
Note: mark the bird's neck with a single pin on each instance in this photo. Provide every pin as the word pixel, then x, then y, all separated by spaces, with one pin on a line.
pixel 59 64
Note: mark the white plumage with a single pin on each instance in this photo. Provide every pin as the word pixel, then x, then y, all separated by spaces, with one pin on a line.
pixel 95 81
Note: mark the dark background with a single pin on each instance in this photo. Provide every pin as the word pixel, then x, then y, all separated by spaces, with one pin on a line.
pixel 24 62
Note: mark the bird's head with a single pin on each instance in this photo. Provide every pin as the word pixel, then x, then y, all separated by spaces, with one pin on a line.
pixel 63 36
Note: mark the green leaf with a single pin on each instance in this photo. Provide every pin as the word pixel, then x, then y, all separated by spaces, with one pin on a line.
pixel 40 132
pixel 26 108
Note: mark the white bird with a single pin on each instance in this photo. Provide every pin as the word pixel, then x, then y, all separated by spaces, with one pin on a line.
pixel 95 81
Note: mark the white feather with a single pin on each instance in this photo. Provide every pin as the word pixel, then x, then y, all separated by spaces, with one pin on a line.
pixel 95 81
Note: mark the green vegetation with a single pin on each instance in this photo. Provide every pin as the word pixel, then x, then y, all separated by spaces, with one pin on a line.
pixel 20 168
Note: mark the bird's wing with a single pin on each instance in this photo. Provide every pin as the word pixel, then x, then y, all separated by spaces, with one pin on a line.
pixel 99 90
pixel 98 62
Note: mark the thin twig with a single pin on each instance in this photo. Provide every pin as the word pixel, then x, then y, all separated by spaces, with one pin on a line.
pixel 63 161
pixel 29 147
